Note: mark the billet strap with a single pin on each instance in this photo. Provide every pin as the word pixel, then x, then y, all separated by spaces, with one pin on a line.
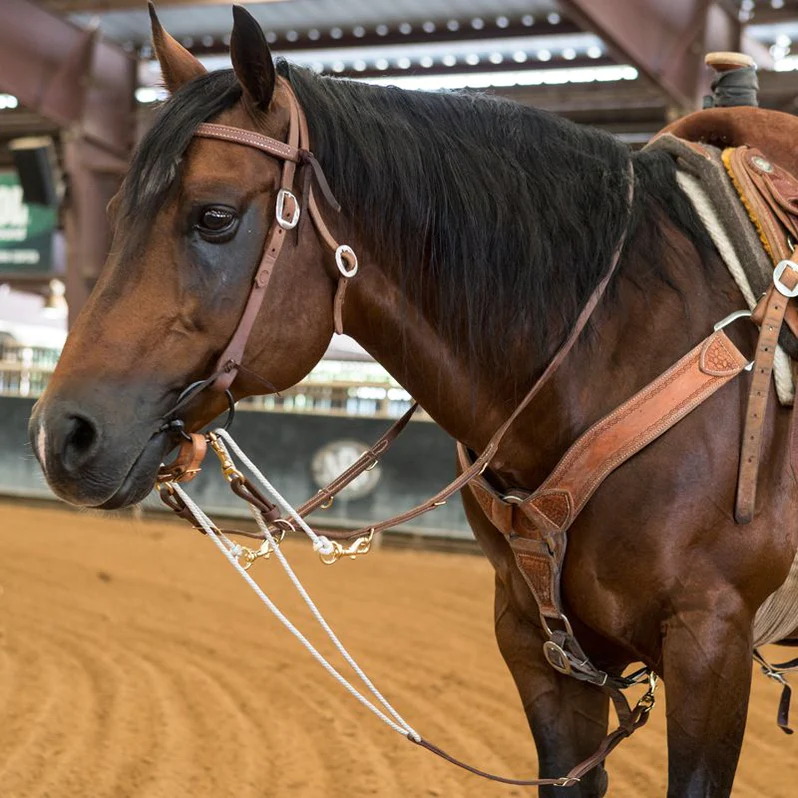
pixel 750 454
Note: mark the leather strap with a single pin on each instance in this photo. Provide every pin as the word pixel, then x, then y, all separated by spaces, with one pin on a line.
pixel 776 672
pixel 293 152
pixel 188 462
pixel 775 308
pixel 790 315
pixel 481 463
pixel 630 720
pixel 367 460
pixel 554 506
pixel 628 429
pixel 536 524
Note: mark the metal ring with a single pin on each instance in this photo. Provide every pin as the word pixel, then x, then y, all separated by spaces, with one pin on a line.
pixel 339 260
pixel 279 210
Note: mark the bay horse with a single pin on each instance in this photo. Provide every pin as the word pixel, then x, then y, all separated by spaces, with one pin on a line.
pixel 482 228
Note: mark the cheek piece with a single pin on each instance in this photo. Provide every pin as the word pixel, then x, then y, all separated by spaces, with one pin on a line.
pixel 288 214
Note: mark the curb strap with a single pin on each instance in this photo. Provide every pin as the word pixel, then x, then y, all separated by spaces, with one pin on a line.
pixel 776 301
pixel 777 672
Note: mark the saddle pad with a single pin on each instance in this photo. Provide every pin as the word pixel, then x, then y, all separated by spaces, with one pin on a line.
pixel 703 178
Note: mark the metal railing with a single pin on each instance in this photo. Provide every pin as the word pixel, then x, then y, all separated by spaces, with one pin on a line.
pixel 337 388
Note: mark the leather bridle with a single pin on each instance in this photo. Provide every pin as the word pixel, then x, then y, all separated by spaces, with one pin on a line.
pixel 289 211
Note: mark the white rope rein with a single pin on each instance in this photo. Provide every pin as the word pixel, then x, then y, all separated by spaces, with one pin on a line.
pixel 232 551
pixel 321 544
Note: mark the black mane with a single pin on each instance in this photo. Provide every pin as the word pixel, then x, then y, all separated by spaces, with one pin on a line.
pixel 499 217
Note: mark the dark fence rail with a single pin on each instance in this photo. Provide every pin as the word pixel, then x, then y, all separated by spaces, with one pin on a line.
pixel 298 452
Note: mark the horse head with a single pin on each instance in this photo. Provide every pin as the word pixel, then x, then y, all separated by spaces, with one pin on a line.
pixel 190 224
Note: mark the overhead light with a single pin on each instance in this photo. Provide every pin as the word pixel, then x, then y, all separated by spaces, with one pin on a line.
pixel 528 77
pixel 8 101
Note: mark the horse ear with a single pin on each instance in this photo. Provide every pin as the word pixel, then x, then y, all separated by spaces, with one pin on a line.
pixel 252 60
pixel 177 64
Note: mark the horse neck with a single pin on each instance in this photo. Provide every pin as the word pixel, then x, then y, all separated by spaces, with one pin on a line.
pixel 634 335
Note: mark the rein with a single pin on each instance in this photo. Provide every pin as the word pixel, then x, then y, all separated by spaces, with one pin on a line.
pixel 535 524
pixel 273 526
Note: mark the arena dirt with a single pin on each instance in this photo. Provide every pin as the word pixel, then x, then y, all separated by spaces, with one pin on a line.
pixel 135 662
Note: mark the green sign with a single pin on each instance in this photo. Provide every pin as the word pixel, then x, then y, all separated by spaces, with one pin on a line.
pixel 26 231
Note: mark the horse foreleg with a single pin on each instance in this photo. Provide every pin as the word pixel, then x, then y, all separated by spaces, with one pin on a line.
pixel 568 718
pixel 707 673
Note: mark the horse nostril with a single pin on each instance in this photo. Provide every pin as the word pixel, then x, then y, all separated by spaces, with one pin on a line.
pixel 79 442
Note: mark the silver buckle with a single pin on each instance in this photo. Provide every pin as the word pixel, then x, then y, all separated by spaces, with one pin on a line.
pixel 780 287
pixel 339 260
pixel 279 210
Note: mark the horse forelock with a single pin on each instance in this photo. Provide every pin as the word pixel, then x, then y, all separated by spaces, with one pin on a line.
pixel 155 168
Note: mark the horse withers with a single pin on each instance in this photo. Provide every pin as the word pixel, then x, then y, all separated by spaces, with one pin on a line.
pixel 482 228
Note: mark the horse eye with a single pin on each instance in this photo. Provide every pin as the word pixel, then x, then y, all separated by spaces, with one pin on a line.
pixel 215 221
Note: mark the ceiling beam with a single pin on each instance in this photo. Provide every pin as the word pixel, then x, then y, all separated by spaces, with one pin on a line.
pixel 102 6
pixel 666 40
pixel 67 74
